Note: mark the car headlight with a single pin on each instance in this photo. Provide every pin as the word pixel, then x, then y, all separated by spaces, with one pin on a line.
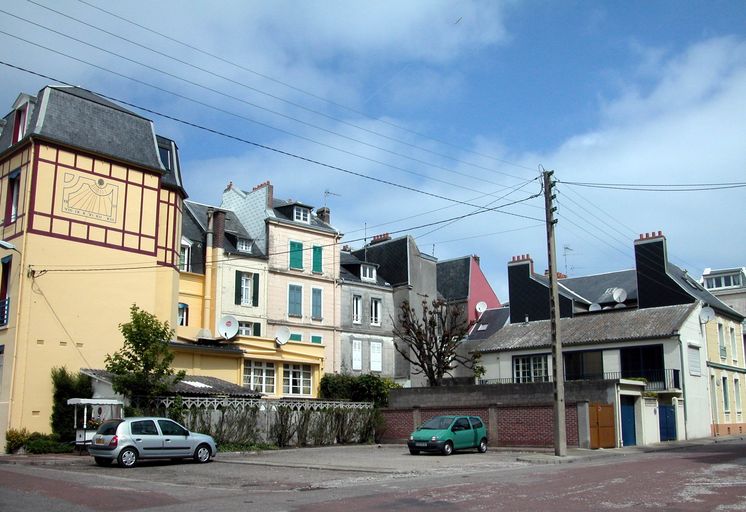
pixel 434 438
pixel 411 438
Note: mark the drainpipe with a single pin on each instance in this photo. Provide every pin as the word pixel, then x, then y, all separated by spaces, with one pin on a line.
pixel 682 379
pixel 205 331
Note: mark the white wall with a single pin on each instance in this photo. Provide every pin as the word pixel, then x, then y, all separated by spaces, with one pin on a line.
pixel 696 387
pixel 650 421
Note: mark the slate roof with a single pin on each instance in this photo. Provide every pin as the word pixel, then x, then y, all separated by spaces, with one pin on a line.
pixel 195 228
pixel 453 278
pixel 491 321
pixel 349 270
pixel 283 211
pixel 392 257
pixel 696 290
pixel 81 119
pixel 593 328
pixel 593 288
pixel 191 385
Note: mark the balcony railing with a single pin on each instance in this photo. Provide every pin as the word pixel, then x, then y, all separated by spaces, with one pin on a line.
pixel 655 380
pixel 4 312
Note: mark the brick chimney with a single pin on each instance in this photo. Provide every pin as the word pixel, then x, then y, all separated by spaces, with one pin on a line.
pixel 655 286
pixel 270 192
pixel 383 237
pixel 324 214
pixel 218 228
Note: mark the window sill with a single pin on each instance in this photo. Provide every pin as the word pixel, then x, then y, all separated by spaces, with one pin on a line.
pixel 356 322
pixel 296 269
pixel 317 272
pixel 375 325
pixel 294 316
pixel 317 319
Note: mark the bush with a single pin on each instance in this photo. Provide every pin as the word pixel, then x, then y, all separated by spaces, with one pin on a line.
pixel 47 444
pixel 15 439
pixel 361 388
pixel 67 385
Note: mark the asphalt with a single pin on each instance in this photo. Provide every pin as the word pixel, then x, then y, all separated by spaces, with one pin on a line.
pixel 390 458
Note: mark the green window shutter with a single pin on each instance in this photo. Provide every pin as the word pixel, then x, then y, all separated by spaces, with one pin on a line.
pixel 317 254
pixel 315 339
pixel 257 328
pixel 255 292
pixel 296 255
pixel 316 303
pixel 296 337
pixel 295 300
pixel 239 275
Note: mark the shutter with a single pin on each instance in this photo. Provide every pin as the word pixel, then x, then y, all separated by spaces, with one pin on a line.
pixel 255 292
pixel 357 355
pixel 694 361
pixel 239 275
pixel 296 255
pixel 375 356
pixel 317 257
pixel 257 327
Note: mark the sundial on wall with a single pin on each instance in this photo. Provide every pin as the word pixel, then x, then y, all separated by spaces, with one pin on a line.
pixel 95 198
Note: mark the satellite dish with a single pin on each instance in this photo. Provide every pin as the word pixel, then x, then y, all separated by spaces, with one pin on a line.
pixel 706 314
pixel 619 295
pixel 620 306
pixel 595 307
pixel 282 335
pixel 481 307
pixel 228 327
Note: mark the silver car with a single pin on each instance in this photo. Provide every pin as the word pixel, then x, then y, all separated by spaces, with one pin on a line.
pixel 131 439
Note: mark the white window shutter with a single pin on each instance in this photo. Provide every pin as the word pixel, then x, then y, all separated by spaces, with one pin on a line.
pixel 357 355
pixel 376 364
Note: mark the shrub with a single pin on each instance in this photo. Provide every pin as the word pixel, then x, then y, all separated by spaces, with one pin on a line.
pixel 361 388
pixel 15 439
pixel 67 385
pixel 47 444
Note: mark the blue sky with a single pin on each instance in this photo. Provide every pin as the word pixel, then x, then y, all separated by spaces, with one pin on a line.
pixel 463 100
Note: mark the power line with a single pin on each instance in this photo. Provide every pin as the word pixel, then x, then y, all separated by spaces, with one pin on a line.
pixel 303 91
pixel 670 187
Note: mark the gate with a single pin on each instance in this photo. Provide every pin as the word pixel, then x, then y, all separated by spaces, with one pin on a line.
pixel 629 425
pixel 667 417
pixel 603 433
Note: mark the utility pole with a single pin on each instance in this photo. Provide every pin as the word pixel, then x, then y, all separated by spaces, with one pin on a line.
pixel 558 371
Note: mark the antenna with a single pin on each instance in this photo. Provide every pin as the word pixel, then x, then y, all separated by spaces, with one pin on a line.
pixel 282 335
pixel 481 307
pixel 228 327
pixel 619 295
pixel 706 314
pixel 595 307
pixel 565 250
pixel 328 193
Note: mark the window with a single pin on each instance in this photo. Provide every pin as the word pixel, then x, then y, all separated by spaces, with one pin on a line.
pixel 375 311
pixel 243 245
pixel 318 252
pixel 376 363
pixel 368 273
pixel 721 341
pixel 183 314
pixel 316 304
pixel 169 428
pixel 727 281
pixel 357 355
pixel 357 304
pixel 296 379
pixel 462 424
pixel 695 364
pixel 733 346
pixel 12 194
pixel 247 289
pixel 295 300
pixel 5 291
pixel 19 123
pixel 296 337
pixel 249 329
pixel 185 258
pixel 143 428
pixel 165 154
pixel 316 339
pixel 476 423
pixel 2 356
pixel 301 214
pixel 737 393
pixel 296 255
pixel 259 376
pixel 726 398
pixel 530 369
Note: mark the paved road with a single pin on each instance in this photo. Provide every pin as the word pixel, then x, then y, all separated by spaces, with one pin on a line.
pixel 694 477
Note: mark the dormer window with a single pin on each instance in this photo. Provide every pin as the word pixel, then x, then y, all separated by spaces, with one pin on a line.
pixel 19 123
pixel 727 281
pixel 368 273
pixel 243 245
pixel 165 154
pixel 301 214
pixel 185 255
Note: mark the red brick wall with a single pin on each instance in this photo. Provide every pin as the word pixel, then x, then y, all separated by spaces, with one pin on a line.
pixel 530 425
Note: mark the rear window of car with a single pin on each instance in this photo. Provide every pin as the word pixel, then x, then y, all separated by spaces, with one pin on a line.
pixel 476 422
pixel 108 428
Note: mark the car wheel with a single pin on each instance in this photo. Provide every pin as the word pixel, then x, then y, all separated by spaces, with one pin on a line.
pixel 448 448
pixel 102 461
pixel 412 451
pixel 202 453
pixel 482 446
pixel 127 458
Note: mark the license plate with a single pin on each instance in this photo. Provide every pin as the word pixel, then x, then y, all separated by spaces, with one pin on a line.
pixel 99 440
pixel 421 444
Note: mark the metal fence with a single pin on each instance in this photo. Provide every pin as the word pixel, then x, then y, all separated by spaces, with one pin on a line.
pixel 655 380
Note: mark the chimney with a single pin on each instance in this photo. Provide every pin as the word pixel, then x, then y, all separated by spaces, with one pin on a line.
pixel 383 237
pixel 218 228
pixel 323 214
pixel 270 192
pixel 346 248
pixel 560 275
pixel 229 186
pixel 655 286
pixel 528 296
pixel 476 259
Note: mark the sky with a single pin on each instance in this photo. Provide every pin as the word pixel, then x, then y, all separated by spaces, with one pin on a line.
pixel 397 115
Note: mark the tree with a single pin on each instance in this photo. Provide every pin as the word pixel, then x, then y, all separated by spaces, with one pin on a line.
pixel 142 368
pixel 430 341
pixel 67 385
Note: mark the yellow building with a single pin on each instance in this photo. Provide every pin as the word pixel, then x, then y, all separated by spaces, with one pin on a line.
pixel 223 325
pixel 727 372
pixel 92 202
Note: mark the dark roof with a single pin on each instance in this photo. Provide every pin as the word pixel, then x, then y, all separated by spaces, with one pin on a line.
pixel 195 228
pixel 594 288
pixel 391 257
pixel 284 213
pixel 349 270
pixel 453 278
pixel 616 325
pixel 191 385
pixel 491 321
pixel 81 119
pixel 696 290
pixel 562 289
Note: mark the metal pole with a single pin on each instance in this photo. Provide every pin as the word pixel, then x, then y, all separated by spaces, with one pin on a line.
pixel 558 372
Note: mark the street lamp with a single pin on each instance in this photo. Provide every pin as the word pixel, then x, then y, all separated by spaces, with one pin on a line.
pixel 9 246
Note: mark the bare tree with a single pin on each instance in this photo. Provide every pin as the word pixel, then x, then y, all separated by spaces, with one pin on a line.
pixel 430 341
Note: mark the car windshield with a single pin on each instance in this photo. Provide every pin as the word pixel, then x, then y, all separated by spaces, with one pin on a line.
pixel 108 428
pixel 437 423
